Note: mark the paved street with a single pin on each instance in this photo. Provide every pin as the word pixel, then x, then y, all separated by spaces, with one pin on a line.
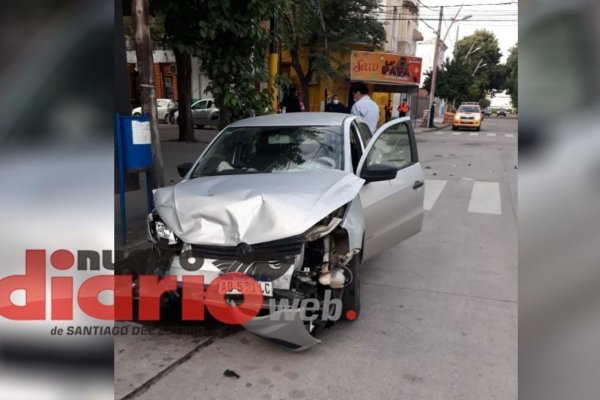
pixel 439 311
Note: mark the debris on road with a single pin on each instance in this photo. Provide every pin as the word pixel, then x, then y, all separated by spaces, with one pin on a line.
pixel 231 374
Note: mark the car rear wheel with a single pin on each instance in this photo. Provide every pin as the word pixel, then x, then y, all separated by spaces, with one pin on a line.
pixel 351 294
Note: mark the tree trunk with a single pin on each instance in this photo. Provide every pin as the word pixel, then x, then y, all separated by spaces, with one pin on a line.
pixel 304 78
pixel 143 51
pixel 184 95
pixel 224 114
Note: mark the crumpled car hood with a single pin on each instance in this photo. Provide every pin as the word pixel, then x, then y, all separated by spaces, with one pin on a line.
pixel 253 208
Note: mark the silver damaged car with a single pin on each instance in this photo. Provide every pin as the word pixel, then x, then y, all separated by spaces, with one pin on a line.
pixel 298 202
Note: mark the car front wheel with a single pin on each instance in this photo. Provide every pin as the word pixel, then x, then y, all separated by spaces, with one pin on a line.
pixel 351 294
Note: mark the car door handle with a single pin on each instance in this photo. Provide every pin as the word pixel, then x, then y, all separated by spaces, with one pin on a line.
pixel 418 184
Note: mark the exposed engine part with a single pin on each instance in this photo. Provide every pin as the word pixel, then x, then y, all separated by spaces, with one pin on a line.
pixel 335 279
pixel 320 231
pixel 325 277
pixel 341 260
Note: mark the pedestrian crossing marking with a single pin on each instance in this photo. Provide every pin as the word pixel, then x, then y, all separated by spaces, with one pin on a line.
pixel 509 135
pixel 485 198
pixel 456 133
pixel 473 134
pixel 491 134
pixel 433 189
pixel 440 133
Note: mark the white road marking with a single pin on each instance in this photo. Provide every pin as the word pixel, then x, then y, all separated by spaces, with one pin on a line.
pixel 473 134
pixel 456 133
pixel 433 189
pixel 509 135
pixel 440 133
pixel 491 134
pixel 467 179
pixel 485 198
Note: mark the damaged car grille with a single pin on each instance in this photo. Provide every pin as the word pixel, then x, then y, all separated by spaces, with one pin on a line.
pixel 246 253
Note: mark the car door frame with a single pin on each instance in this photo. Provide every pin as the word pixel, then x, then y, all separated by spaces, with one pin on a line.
pixel 196 118
pixel 408 172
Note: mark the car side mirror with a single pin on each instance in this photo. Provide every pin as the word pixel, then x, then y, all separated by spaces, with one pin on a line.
pixel 184 168
pixel 378 173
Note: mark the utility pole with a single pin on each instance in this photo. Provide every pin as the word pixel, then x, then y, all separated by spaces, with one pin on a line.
pixel 394 39
pixel 456 41
pixel 435 69
pixel 143 51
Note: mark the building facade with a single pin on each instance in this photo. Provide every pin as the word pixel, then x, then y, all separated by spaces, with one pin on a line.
pixel 165 77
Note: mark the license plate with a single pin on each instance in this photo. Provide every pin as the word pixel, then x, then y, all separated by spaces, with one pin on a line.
pixel 236 287
pixel 267 288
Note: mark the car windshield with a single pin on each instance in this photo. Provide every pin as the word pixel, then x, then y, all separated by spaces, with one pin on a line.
pixel 246 150
pixel 468 109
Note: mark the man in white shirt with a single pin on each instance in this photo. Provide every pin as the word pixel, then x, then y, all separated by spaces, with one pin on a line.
pixel 364 106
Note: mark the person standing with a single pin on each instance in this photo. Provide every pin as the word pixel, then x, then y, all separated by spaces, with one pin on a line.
pixel 336 106
pixel 290 101
pixel 388 111
pixel 172 107
pixel 403 108
pixel 328 104
pixel 364 106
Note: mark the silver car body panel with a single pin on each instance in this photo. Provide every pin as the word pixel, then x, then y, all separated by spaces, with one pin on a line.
pixel 393 210
pixel 284 326
pixel 354 223
pixel 253 208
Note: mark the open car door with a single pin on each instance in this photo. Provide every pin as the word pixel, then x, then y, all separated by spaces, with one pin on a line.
pixel 393 208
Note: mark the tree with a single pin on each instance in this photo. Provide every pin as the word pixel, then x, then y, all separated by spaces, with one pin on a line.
pixel 315 30
pixel 453 82
pixel 234 39
pixel 512 75
pixel 481 49
pixel 474 72
pixel 229 38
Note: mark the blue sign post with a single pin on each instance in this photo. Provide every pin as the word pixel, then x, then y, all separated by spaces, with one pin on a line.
pixel 134 154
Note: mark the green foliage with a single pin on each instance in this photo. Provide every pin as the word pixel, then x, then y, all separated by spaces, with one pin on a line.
pixel 317 29
pixel 460 80
pixel 228 38
pixel 512 75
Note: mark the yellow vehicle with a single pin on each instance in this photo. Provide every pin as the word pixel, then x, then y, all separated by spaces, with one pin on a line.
pixel 468 115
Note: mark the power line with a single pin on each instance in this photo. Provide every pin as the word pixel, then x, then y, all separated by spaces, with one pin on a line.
pixel 513 3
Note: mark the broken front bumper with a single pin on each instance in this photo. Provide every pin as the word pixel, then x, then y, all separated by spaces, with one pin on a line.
pixel 284 327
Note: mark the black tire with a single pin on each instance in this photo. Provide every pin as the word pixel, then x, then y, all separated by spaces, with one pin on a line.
pixel 454 128
pixel 478 129
pixel 351 294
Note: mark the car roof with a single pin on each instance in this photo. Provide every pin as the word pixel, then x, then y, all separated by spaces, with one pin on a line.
pixel 295 119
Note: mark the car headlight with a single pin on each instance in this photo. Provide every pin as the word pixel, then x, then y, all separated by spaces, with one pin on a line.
pixel 162 232
pixel 457 118
pixel 159 232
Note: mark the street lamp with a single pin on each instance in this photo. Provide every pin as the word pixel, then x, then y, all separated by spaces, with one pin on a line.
pixel 436 56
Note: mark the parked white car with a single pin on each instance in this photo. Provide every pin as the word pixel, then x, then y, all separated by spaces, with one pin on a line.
pixel 161 108
pixel 204 112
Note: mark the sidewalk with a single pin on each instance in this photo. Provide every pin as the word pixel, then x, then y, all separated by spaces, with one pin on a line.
pixel 437 122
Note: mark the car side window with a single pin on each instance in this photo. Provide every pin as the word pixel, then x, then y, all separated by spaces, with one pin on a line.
pixel 365 133
pixel 392 148
pixel 355 147
pixel 201 105
pixel 209 104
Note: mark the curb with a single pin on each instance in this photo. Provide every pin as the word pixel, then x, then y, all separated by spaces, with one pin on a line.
pixel 438 128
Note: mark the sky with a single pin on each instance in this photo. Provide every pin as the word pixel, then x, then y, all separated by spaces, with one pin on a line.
pixel 493 15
